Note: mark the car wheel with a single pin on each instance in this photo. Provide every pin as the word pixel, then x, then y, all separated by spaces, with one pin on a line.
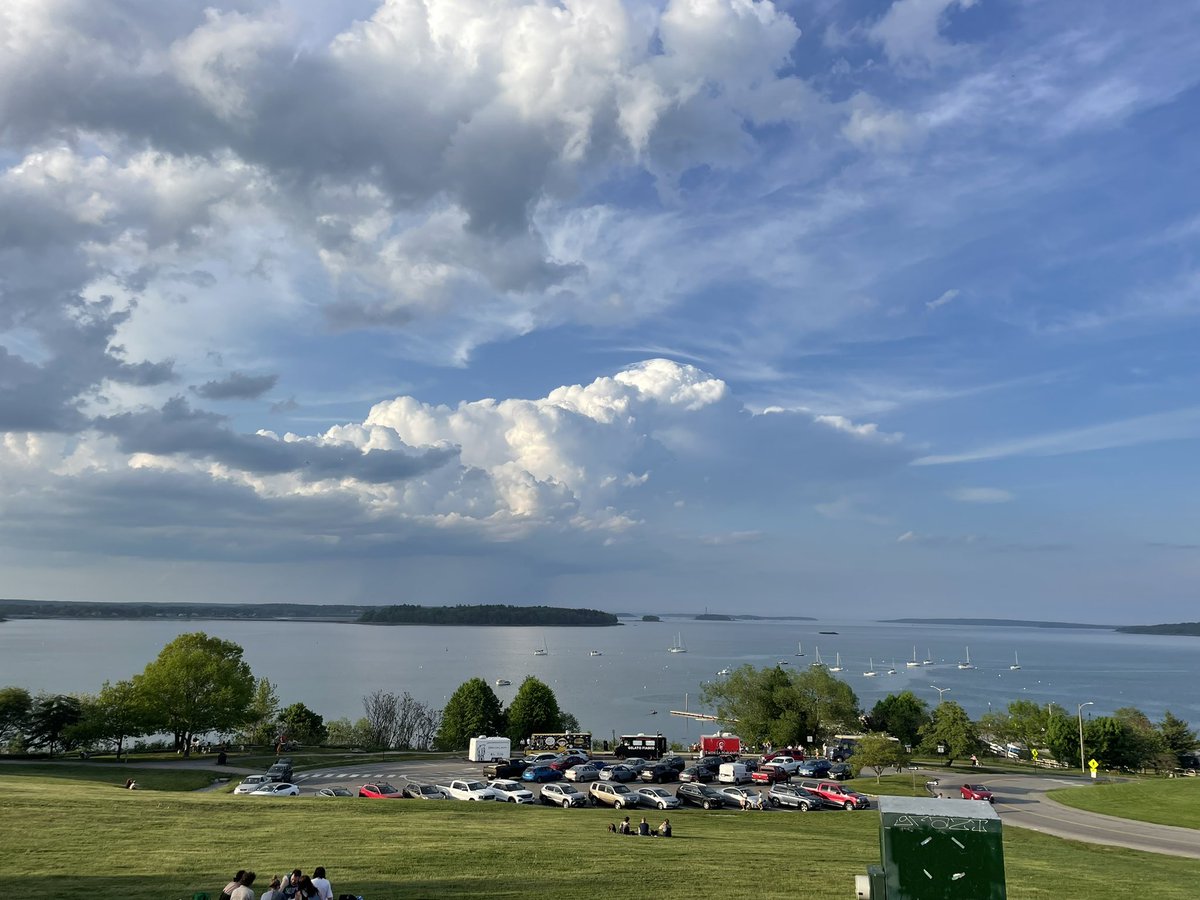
pixel 620 804
pixel 662 805
pixel 803 807
pixel 566 803
pixel 707 804
pixel 774 801
pixel 849 805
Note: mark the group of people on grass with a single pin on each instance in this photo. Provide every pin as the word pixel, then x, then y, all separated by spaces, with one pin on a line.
pixel 293 886
pixel 643 828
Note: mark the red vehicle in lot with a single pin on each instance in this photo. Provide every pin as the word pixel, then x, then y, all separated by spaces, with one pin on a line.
pixel 976 792
pixel 380 791
pixel 569 761
pixel 769 774
pixel 836 795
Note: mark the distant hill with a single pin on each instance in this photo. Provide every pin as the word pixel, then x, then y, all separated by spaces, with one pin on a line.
pixel 1011 623
pixel 725 617
pixel 713 617
pixel 1191 628
pixel 493 614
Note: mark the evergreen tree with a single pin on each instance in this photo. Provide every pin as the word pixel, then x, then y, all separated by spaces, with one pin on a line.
pixel 1176 735
pixel 301 724
pixel 51 718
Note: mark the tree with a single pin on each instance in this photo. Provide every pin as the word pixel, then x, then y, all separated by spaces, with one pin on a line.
pixel 197 684
pixel 472 710
pixel 382 710
pixel 262 718
pixel 1062 737
pixel 118 712
pixel 15 706
pixel 1176 735
pixel 951 729
pixel 901 715
pixel 51 718
pixel 877 751
pixel 1143 744
pixel 344 733
pixel 299 723
pixel 534 709
pixel 570 723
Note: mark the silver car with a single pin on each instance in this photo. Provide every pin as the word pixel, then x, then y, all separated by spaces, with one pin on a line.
pixel 251 784
pixel 744 798
pixel 657 797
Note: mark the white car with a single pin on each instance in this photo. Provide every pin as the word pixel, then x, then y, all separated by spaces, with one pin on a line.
pixel 335 792
pixel 789 764
pixel 657 797
pixel 462 789
pixel 276 789
pixel 746 799
pixel 557 794
pixel 511 791
pixel 251 784
pixel 541 759
pixel 582 772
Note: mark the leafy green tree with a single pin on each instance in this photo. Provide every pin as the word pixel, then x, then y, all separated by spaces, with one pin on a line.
pixel 1062 737
pixel 51 718
pixel 534 709
pixel 828 705
pixel 1177 737
pixel 118 712
pixel 951 729
pixel 15 706
pixel 299 723
pixel 901 715
pixel 570 723
pixel 472 710
pixel 877 751
pixel 262 718
pixel 195 685
pixel 344 733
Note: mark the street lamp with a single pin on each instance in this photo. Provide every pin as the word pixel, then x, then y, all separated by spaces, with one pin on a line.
pixel 940 691
pixel 1082 767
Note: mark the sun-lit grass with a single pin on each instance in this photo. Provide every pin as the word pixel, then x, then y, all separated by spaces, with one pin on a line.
pixel 113 776
pixel 75 842
pixel 1170 801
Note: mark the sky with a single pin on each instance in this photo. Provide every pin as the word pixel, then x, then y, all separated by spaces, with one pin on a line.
pixel 857 309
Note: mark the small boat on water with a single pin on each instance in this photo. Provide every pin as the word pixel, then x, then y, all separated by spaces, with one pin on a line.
pixel 595 653
pixel 723 672
pixel 928 660
pixel 892 670
pixel 502 682
pixel 912 663
pixel 826 632
pixel 871 673
pixel 837 666
pixel 677 645
pixel 818 664
pixel 799 649
pixel 1016 662
pixel 542 651
pixel 966 664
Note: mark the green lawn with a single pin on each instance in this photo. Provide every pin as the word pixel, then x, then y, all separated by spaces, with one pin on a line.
pixel 111 776
pixel 1169 801
pixel 73 841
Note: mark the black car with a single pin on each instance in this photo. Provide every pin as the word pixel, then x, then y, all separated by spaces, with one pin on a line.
pixel 696 794
pixel 702 774
pixel 840 772
pixel 281 771
pixel 678 763
pixel 505 768
pixel 712 762
pixel 657 772
pixel 794 797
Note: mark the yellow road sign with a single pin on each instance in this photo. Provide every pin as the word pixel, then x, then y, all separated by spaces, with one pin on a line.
pixel 1093 765
pixel 1033 753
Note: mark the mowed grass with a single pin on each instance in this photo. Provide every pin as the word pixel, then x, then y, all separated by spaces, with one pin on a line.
pixel 75 841
pixel 1171 801
pixel 112 776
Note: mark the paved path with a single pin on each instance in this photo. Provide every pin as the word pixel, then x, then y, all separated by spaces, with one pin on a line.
pixel 1021 800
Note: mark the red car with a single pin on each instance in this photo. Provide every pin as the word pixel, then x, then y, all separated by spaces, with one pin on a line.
pixel 380 791
pixel 769 774
pixel 976 792
pixel 567 762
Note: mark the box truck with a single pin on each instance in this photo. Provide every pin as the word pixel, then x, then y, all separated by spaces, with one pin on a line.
pixel 486 749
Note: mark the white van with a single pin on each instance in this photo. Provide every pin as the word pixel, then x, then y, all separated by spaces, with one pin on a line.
pixel 733 773
pixel 485 749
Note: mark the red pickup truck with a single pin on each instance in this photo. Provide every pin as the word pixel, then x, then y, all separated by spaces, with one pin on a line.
pixel 836 795
pixel 769 774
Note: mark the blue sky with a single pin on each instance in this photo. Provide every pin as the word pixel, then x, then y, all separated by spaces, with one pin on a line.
pixel 872 307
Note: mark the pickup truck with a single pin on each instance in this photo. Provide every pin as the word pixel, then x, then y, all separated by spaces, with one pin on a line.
pixel 836 795
pixel 769 774
pixel 468 790
pixel 505 768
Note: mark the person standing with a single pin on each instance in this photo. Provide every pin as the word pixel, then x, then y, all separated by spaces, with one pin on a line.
pixel 321 883
pixel 242 891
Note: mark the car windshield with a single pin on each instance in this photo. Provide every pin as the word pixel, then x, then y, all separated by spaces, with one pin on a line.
pixel 474 786
pixel 385 788
pixel 429 789
pixel 657 792
pixel 978 787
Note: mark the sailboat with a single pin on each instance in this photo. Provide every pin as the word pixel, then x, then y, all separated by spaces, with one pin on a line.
pixel 912 663
pixel 542 651
pixel 799 649
pixel 1016 662
pixel 892 670
pixel 837 667
pixel 818 664
pixel 677 645
pixel 595 653
pixel 967 664
pixel 928 660
pixel 872 673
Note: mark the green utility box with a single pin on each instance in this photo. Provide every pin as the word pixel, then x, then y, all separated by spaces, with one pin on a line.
pixel 940 849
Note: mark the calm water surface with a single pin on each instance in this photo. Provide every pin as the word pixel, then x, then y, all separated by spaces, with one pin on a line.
pixel 329 667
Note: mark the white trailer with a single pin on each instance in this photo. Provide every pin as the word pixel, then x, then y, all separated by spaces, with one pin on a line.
pixel 485 749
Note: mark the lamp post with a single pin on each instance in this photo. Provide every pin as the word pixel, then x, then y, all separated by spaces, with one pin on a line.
pixel 940 691
pixel 1082 767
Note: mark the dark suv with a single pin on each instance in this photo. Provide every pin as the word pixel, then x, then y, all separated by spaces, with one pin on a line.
pixel 281 771
pixel 505 768
pixel 657 772
pixel 678 763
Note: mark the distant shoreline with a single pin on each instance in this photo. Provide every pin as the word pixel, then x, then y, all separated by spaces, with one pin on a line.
pixel 1010 623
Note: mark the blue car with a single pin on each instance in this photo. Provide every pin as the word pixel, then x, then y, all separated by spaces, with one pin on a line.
pixel 814 768
pixel 541 773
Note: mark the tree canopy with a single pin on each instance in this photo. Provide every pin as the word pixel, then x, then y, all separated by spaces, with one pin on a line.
pixel 534 709
pixel 877 751
pixel 951 729
pixel 472 710
pixel 901 715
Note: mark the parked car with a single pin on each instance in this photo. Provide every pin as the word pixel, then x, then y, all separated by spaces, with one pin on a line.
pixel 541 773
pixel 567 761
pixel 789 764
pixel 676 762
pixel 636 762
pixel 813 768
pixel 541 759
pixel 615 795
pixel 276 789
pixel 505 768
pixel 976 792
pixel 696 794
pixel 769 773
pixel 657 797
pixel 619 772
pixel 743 798
pixel 424 792
pixel 837 795
pixel 733 773
pixel 335 792
pixel 511 791
pixel 657 772
pixel 713 762
pixel 281 771
pixel 380 790
pixel 583 772
pixel 251 783
pixel 840 771
pixel 794 797
pixel 564 795
pixel 702 774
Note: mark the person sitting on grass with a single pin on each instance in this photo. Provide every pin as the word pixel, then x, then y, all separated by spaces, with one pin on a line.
pixel 130 784
pixel 643 828
pixel 612 827
pixel 227 891
pixel 272 892
pixel 321 883
pixel 242 891
pixel 624 828
pixel 664 830
pixel 291 884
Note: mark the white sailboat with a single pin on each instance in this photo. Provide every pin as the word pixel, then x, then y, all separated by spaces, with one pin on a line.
pixel 595 653
pixel 677 644
pixel 928 660
pixel 818 664
pixel 872 673
pixel 892 670
pixel 724 672
pixel 837 667
pixel 501 682
pixel 912 663
pixel 799 649
pixel 1016 662
pixel 542 651
pixel 967 664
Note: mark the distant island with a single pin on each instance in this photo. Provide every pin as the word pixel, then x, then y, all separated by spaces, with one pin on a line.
pixel 725 617
pixel 317 612
pixel 1189 628
pixel 484 615
pixel 1012 623
pixel 713 617
pixel 651 619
